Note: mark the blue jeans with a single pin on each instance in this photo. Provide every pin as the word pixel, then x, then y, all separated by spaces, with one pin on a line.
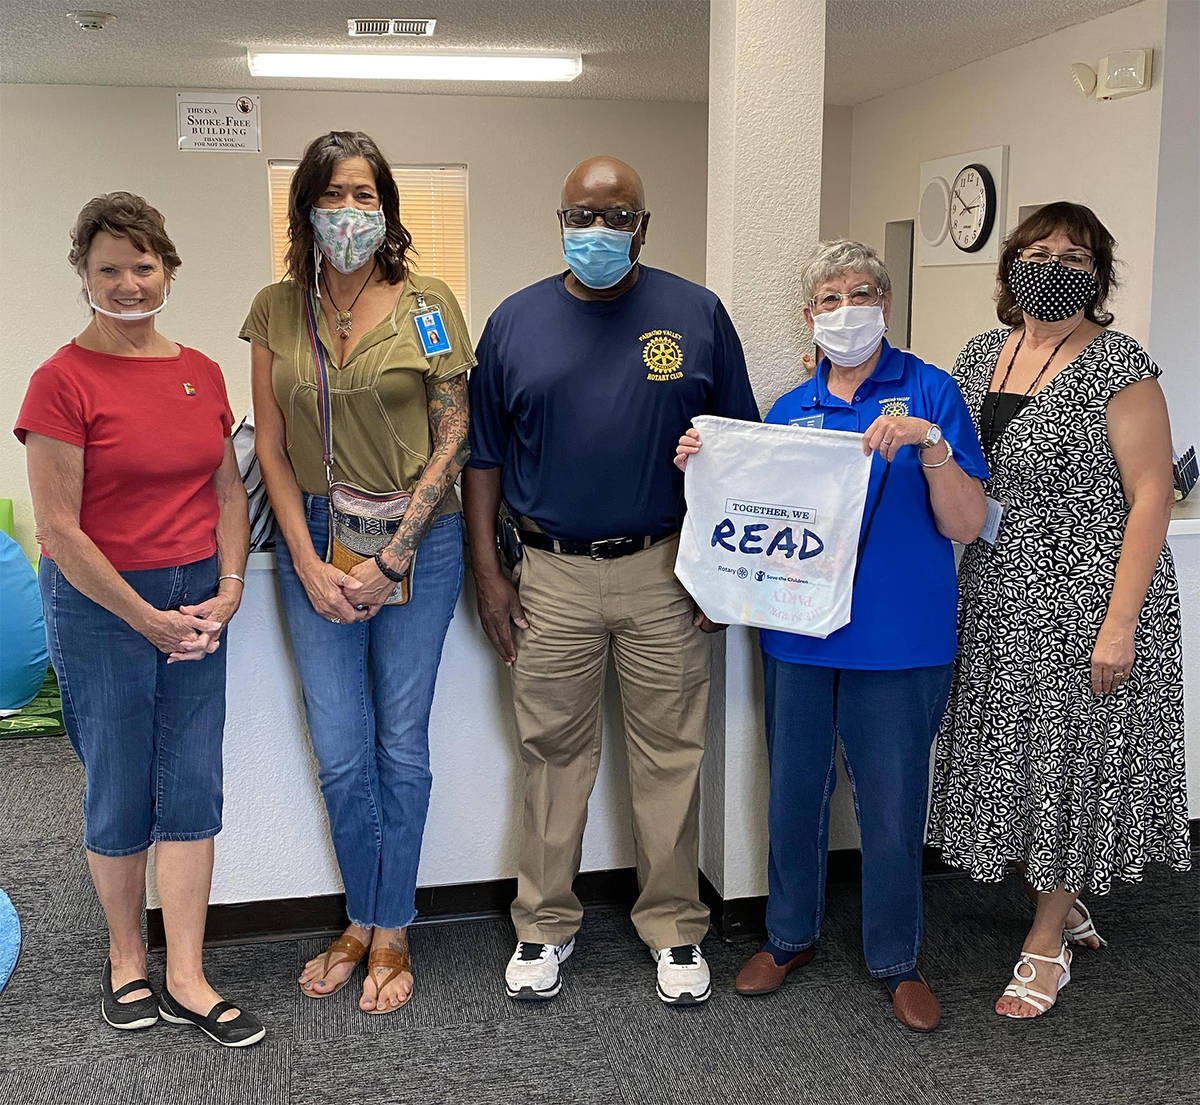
pixel 887 721
pixel 368 689
pixel 147 733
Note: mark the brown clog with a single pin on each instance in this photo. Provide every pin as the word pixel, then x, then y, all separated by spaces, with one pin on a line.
pixel 916 1007
pixel 760 974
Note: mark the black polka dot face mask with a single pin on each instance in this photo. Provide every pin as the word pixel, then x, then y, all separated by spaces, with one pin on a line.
pixel 1049 291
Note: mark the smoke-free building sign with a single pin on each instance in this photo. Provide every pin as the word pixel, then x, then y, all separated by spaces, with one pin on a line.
pixel 221 122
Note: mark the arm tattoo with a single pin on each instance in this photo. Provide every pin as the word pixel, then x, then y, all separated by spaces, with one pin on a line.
pixel 447 401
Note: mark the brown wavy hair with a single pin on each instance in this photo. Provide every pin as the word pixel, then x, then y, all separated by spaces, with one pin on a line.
pixel 1080 224
pixel 310 180
pixel 123 215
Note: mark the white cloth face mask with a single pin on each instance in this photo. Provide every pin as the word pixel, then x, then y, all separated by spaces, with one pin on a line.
pixel 849 335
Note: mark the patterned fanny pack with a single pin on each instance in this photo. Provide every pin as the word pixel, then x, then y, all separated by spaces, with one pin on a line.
pixel 361 523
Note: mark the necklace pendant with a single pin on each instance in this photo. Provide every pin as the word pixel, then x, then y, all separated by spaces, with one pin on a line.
pixel 342 321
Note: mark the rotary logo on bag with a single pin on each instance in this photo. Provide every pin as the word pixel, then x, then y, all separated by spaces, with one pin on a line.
pixel 662 354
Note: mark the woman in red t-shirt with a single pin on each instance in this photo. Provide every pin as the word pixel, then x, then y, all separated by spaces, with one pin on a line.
pixel 141 515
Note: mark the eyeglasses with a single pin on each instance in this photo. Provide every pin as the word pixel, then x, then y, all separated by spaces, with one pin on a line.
pixel 615 218
pixel 1072 259
pixel 865 295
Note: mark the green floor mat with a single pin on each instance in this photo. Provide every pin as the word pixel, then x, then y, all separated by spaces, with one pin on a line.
pixel 41 718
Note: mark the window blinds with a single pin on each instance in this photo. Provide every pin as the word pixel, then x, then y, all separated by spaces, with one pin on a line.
pixel 433 208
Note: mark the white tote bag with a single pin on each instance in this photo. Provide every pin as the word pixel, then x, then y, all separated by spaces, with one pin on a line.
pixel 770 538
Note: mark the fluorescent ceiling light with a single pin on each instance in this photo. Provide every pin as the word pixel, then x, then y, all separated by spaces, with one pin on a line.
pixel 373 65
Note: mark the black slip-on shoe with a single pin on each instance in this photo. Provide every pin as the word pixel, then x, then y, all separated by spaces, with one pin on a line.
pixel 242 1031
pixel 126 1014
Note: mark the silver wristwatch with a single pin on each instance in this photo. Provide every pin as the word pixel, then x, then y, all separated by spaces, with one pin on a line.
pixel 932 437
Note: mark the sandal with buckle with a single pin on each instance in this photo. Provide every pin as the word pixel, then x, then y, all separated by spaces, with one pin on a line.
pixel 1020 989
pixel 1084 931
pixel 396 963
pixel 345 949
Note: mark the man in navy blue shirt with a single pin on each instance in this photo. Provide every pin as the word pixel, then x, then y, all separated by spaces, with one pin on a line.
pixel 585 382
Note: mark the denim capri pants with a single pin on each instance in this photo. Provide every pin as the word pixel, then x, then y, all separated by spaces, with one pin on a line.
pixel 148 733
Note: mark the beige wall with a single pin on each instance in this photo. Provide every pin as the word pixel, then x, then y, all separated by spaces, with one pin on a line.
pixel 60 145
pixel 1061 146
pixel 837 152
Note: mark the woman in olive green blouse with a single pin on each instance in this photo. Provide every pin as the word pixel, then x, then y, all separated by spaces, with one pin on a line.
pixel 398 417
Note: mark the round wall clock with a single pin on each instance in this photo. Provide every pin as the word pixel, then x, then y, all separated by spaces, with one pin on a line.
pixel 934 214
pixel 972 208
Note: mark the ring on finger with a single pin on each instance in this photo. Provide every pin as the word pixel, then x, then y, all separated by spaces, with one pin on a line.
pixel 336 621
pixel 345 576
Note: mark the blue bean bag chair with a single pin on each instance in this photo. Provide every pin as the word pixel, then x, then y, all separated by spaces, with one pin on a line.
pixel 23 655
pixel 10 939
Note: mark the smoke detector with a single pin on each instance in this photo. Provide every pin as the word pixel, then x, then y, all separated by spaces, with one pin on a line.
pixel 378 28
pixel 91 21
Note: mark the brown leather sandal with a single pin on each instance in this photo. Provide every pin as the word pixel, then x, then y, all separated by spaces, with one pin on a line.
pixel 397 963
pixel 345 949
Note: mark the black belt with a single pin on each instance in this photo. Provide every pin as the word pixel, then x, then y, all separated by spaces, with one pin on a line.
pixel 607 548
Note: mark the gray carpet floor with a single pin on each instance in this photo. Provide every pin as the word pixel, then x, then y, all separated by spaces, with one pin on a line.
pixel 1127 1029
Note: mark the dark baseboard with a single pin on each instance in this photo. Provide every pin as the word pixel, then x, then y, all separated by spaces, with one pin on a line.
pixel 292 918
pixel 733 917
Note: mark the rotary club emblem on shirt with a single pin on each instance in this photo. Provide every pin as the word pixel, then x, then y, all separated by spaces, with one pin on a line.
pixel 662 355
pixel 895 407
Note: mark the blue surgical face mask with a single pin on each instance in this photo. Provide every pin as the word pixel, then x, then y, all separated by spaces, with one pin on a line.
pixel 598 257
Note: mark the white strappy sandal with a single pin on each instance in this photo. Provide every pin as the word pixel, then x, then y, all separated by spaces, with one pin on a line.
pixel 1025 972
pixel 1084 931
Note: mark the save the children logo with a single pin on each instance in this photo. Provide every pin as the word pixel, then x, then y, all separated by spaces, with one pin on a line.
pixel 662 354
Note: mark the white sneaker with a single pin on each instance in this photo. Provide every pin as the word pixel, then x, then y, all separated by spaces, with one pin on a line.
pixel 683 977
pixel 532 973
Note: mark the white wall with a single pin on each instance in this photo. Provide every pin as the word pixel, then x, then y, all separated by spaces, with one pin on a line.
pixel 1174 321
pixel 1061 146
pixel 64 144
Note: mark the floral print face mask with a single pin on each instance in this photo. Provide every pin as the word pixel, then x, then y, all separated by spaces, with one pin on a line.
pixel 347 236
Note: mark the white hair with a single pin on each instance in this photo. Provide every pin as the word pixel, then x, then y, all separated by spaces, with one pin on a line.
pixel 839 256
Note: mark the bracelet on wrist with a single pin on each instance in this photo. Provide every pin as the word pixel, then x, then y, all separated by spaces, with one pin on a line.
pixel 395 577
pixel 232 575
pixel 944 460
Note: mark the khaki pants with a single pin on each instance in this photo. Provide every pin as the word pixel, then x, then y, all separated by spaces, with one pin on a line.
pixel 577 609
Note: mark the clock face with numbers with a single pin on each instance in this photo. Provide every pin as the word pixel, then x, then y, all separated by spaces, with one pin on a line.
pixel 972 208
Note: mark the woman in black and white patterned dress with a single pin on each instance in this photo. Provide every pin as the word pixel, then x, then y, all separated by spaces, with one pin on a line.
pixel 1062 744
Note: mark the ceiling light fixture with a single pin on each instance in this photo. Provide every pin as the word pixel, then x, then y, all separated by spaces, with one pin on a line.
pixel 423 66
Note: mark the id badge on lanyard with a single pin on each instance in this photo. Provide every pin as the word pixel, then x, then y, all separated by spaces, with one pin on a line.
pixel 431 330
pixel 991 524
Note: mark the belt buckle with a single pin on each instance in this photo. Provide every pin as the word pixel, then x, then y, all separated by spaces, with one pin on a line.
pixel 608 548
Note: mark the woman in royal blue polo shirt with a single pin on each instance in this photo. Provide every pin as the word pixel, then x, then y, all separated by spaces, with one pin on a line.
pixel 881 681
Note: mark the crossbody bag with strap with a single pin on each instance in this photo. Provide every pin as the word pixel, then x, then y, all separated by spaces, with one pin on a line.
pixel 361 523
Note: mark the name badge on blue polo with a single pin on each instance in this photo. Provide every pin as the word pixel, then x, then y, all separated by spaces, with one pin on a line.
pixel 810 421
pixel 432 332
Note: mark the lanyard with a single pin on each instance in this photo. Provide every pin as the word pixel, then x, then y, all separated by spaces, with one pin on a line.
pixel 323 407
pixel 991 428
pixel 862 541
